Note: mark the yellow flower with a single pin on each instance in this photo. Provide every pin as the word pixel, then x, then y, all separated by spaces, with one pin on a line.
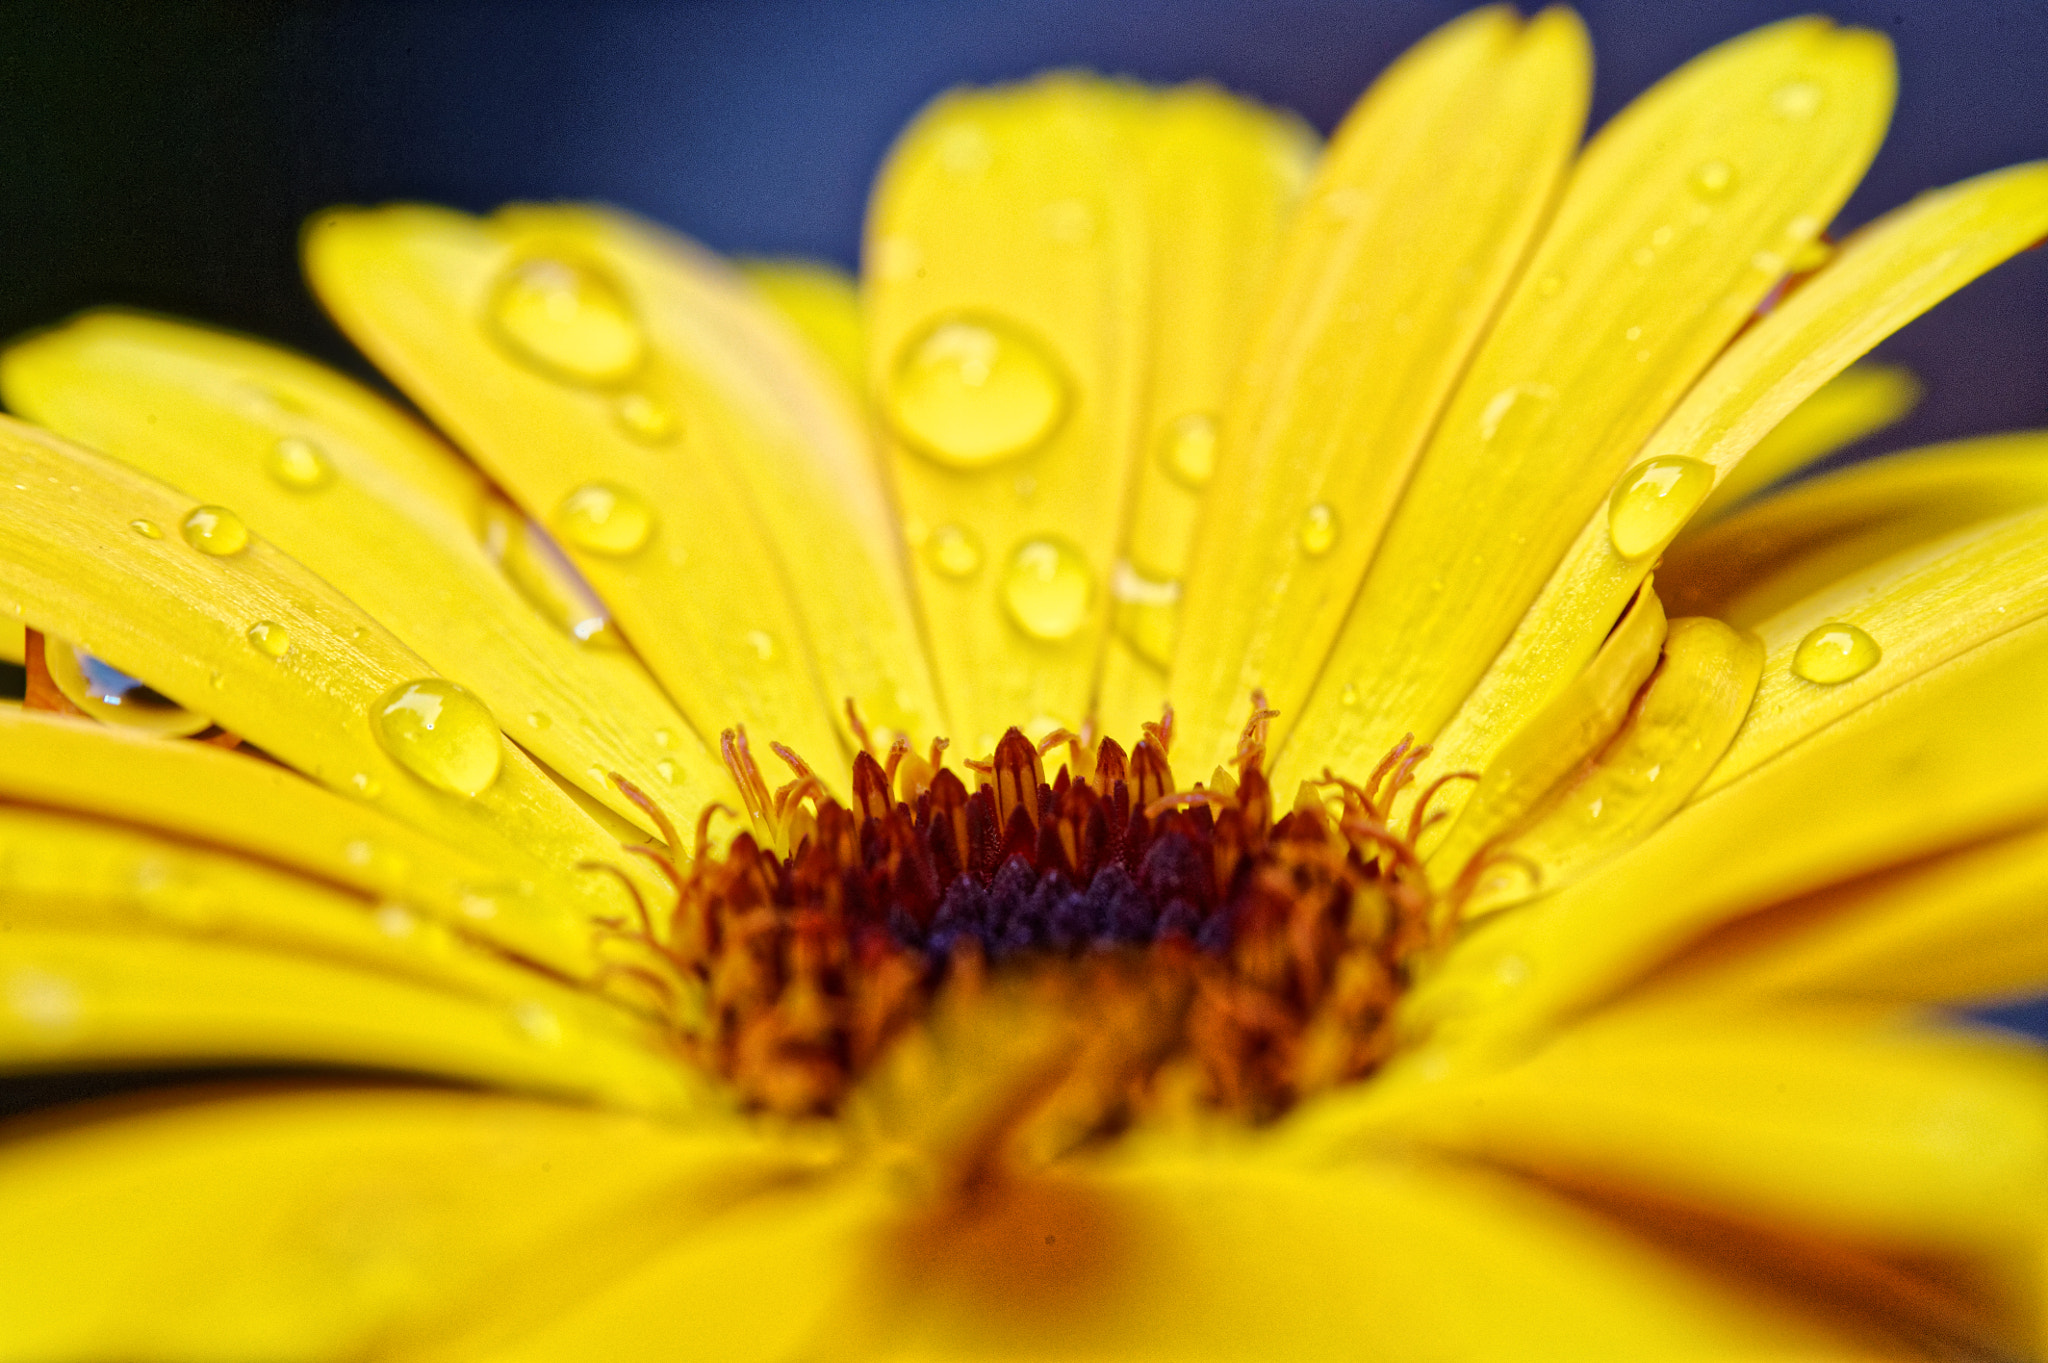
pixel 1636 1052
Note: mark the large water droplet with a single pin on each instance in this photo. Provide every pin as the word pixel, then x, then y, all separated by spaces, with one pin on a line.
pixel 1712 179
pixel 269 638
pixel 1187 449
pixel 1797 100
pixel 149 530
pixel 1835 653
pixel 298 464
pixel 974 391
pixel 1048 588
pixel 1652 500
pixel 536 565
pixel 215 530
pixel 441 734
pixel 605 519
pixel 954 551
pixel 113 697
pixel 1318 530
pixel 1147 613
pixel 571 321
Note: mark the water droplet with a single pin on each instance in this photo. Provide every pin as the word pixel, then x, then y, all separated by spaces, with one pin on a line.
pixel 1799 99
pixel 1350 694
pixel 298 464
pixel 1515 412
pixel 366 785
pixel 973 391
pixel 396 921
pixel 646 419
pixel 1048 589
pixel 1652 500
pixel 896 258
pixel 1147 613
pixel 605 520
pixel 441 734
pixel 1069 221
pixel 359 852
pixel 44 1001
pixel 1811 256
pixel 1835 653
pixel 537 1023
pixel 954 551
pixel 763 644
pixel 1318 530
pixel 666 770
pixel 536 720
pixel 964 150
pixel 570 321
pixel 269 638
pixel 113 697
pixel 1187 449
pixel 147 529
pixel 215 530
pixel 664 739
pixel 1712 179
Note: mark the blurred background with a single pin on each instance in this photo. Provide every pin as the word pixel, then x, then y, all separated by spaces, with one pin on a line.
pixel 164 155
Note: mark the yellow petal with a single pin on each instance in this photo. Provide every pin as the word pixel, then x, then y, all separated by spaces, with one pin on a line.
pixel 348 486
pixel 12 636
pixel 1676 732
pixel 1022 244
pixel 1886 275
pixel 822 302
pixel 1649 268
pixel 158 608
pixel 1421 211
pixel 334 1224
pixel 1861 400
pixel 1574 727
pixel 1767 556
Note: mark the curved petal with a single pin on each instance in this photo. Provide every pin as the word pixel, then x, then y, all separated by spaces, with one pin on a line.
pixel 1671 262
pixel 823 303
pixel 1860 401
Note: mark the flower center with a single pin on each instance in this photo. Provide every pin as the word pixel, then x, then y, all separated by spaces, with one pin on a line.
pixel 1235 955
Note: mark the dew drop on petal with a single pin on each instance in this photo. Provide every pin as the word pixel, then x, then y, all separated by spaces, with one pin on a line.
pixel 115 698
pixel 537 1022
pixel 298 464
pixel 1835 653
pixel 1712 179
pixel 1515 412
pixel 604 519
pixel 967 392
pixel 648 420
pixel 953 551
pixel 763 644
pixel 149 530
pixel 666 770
pixel 1798 100
pixel 568 320
pixel 1047 589
pixel 1652 500
pixel 440 733
pixel 1318 530
pixel 45 1001
pixel 536 720
pixel 215 530
pixel 269 638
pixel 663 738
pixel 1187 449
pixel 1147 613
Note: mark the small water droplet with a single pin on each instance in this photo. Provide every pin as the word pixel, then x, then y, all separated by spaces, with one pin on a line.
pixel 1652 500
pixel 954 551
pixel 1712 179
pixel 968 392
pixel 298 464
pixel 1350 695
pixel 366 785
pixel 1811 256
pixel 763 644
pixel 663 738
pixel 396 921
pixel 359 852
pixel 440 733
pixel 666 770
pixel 1048 589
pixel 1187 449
pixel 648 420
pixel 1515 412
pixel 149 530
pixel 537 1023
pixel 215 530
pixel 605 519
pixel 270 638
pixel 896 258
pixel 1835 653
pixel 44 1001
pixel 1798 100
pixel 1318 530
pixel 568 320
pixel 536 720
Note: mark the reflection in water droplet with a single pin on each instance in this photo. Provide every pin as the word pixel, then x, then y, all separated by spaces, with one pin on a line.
pixel 215 530
pixel 1515 412
pixel 1652 500
pixel 973 391
pixel 149 530
pixel 1712 179
pixel 113 697
pixel 1799 99
pixel 298 464
pixel 1318 530
pixel 763 644
pixel 954 551
pixel 536 565
pixel 646 419
pixel 1187 449
pixel 1835 653
pixel 605 520
pixel 269 638
pixel 440 733
pixel 1048 588
pixel 570 321
pixel 1147 613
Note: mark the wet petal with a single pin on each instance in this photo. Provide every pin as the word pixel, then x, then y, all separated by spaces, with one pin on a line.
pixel 1421 211
pixel 350 487
pixel 1553 408
pixel 1021 243
pixel 1860 401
